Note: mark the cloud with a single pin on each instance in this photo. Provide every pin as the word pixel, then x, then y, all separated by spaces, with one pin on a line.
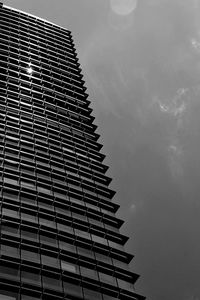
pixel 145 79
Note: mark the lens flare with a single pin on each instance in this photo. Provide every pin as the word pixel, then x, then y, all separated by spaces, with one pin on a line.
pixel 29 70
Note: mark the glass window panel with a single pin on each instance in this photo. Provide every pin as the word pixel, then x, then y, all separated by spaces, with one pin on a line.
pixel 116 245
pixel 52 283
pixel 69 267
pixel 125 285
pixel 103 258
pixel 107 278
pixel 10 273
pixel 82 233
pixel 48 240
pixel 4 297
pixel 89 273
pixel 28 200
pixel 32 278
pixel 10 230
pixel 24 297
pixel 43 190
pixel 50 261
pixel 29 217
pixel 79 216
pixel 47 222
pixel 10 213
pixel 120 264
pixel 29 235
pixel 85 252
pixel 99 239
pixel 65 228
pixel 91 295
pixel 10 181
pixel 46 206
pixel 59 195
pixel 27 184
pixel 72 289
pixel 30 256
pixel 63 211
pixel 10 251
pixel 67 246
pixel 10 195
pixel 106 297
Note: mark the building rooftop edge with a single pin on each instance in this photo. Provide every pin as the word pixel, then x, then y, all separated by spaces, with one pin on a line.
pixel 36 17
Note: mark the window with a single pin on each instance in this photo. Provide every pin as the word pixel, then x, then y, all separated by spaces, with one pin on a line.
pixel 65 228
pixel 83 234
pixel 27 184
pixel 48 240
pixel 45 191
pixel 67 246
pixel 99 239
pixel 10 194
pixel 30 256
pixel 50 261
pixel 73 290
pixel 106 297
pixel 52 283
pixel 120 264
pixel 10 213
pixel 103 258
pixel 32 278
pixel 107 278
pixel 125 285
pixel 91 295
pixel 29 235
pixel 24 297
pixel 91 273
pixel 85 252
pixel 29 217
pixel 10 251
pixel 4 297
pixel 69 267
pixel 10 230
pixel 48 223
pixel 10 181
pixel 9 273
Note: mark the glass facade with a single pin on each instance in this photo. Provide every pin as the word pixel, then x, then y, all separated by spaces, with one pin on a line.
pixel 59 237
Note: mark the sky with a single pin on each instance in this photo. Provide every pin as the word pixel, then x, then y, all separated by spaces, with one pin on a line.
pixel 141 64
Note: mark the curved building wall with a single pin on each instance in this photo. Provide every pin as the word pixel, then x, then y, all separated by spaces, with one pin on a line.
pixel 59 237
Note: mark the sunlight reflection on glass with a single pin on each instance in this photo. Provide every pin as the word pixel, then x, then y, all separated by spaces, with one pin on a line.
pixel 29 70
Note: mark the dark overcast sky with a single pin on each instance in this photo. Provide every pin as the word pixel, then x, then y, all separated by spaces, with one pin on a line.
pixel 141 63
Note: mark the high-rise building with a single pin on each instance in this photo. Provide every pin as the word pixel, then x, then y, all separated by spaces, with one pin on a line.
pixel 59 236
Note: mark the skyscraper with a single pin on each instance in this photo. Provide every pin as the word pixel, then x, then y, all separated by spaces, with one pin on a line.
pixel 60 237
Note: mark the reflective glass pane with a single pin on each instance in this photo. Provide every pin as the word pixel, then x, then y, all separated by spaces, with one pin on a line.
pixel 9 230
pixel 67 246
pixel 72 289
pixel 29 235
pixel 52 283
pixel 91 295
pixel 32 278
pixel 69 267
pixel 4 297
pixel 30 256
pixel 10 251
pixel 10 213
pixel 10 273
pixel 89 273
pixel 107 278
pixel 24 297
pixel 48 240
pixel 50 261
